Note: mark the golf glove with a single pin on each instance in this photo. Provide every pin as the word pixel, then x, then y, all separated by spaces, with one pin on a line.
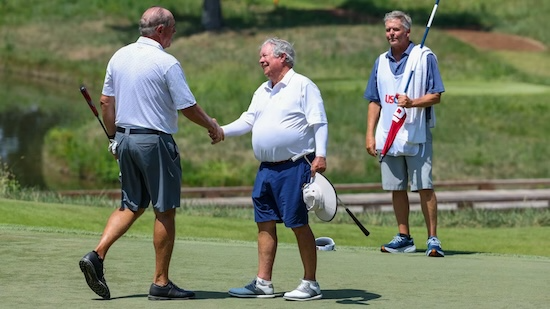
pixel 112 146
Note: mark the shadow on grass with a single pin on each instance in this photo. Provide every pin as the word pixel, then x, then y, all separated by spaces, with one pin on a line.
pixel 342 296
pixel 447 252
pixel 350 296
pixel 199 295
pixel 451 252
pixel 211 295
pixel 127 296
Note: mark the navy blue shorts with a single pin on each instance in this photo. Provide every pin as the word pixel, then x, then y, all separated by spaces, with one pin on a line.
pixel 277 193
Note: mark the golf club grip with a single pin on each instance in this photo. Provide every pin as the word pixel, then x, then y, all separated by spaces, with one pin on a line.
pixel 361 227
pixel 430 20
pixel 86 95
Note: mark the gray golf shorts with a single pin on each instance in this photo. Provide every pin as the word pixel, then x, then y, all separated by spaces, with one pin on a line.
pixel 397 172
pixel 151 171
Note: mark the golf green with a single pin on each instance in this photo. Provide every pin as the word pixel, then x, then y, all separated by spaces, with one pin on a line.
pixel 40 270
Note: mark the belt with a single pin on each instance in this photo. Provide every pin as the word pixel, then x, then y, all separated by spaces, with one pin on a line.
pixel 139 131
pixel 309 156
pixel 277 163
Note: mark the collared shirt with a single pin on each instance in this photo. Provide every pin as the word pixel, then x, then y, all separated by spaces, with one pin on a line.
pixel 434 83
pixel 282 118
pixel 149 86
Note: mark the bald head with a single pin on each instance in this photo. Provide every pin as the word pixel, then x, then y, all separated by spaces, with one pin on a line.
pixel 152 18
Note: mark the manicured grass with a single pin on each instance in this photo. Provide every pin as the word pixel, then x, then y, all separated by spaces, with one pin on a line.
pixel 42 272
pixel 488 232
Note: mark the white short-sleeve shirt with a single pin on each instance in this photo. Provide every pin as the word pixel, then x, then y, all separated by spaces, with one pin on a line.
pixel 149 86
pixel 282 117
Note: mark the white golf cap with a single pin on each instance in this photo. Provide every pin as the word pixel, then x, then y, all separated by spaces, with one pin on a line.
pixel 325 244
pixel 320 196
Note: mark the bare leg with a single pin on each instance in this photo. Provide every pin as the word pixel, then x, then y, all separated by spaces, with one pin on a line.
pixel 308 250
pixel 428 201
pixel 163 240
pixel 400 201
pixel 119 222
pixel 267 248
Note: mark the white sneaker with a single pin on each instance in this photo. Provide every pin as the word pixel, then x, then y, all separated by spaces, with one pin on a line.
pixel 307 290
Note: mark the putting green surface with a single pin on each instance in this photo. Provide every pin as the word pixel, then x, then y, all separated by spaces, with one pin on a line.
pixel 40 270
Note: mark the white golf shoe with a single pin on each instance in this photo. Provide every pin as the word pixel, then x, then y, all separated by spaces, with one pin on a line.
pixel 307 290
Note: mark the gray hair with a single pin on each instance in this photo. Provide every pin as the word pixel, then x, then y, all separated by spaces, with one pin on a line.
pixel 405 19
pixel 281 47
pixel 149 22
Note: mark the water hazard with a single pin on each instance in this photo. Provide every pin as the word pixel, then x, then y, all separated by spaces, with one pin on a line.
pixel 28 109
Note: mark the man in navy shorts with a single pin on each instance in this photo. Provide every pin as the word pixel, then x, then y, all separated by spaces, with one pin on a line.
pixel 289 137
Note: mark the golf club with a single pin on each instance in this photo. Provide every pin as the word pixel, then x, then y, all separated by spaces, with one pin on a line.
pixel 357 222
pixel 86 95
pixel 422 43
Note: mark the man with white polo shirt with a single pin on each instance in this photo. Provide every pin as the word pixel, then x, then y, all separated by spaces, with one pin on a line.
pixel 148 88
pixel 289 137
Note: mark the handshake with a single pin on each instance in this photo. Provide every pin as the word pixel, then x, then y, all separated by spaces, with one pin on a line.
pixel 216 132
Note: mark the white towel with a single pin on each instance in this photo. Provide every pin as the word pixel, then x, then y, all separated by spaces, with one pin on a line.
pixel 414 129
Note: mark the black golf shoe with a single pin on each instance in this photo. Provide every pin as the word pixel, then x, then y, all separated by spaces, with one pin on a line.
pixel 92 267
pixel 169 292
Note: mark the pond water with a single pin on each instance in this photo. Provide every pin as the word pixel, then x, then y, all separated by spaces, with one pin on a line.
pixel 21 140
pixel 28 109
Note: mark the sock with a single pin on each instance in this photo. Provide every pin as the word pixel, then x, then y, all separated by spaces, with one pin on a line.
pixel 405 235
pixel 312 283
pixel 262 281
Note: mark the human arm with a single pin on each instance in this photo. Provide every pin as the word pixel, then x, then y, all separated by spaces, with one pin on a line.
pixel 434 87
pixel 107 104
pixel 237 128
pixel 316 117
pixel 197 115
pixel 373 109
pixel 319 164
pixel 373 115
pixel 426 100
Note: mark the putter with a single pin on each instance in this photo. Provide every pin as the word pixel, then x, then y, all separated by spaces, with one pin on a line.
pixel 91 104
pixel 354 218
pixel 86 95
